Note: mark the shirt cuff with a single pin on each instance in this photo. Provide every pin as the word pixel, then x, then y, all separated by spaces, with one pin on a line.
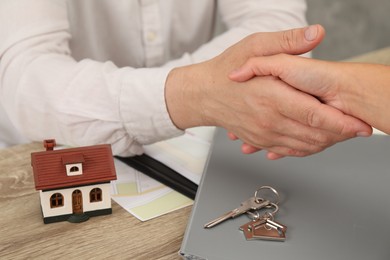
pixel 143 108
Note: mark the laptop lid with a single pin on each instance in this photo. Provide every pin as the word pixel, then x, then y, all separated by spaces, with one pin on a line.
pixel 336 204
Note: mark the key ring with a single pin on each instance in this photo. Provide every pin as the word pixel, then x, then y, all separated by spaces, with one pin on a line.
pixel 259 199
pixel 270 215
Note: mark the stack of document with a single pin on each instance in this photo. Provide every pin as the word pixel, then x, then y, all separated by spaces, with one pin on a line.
pixel 147 198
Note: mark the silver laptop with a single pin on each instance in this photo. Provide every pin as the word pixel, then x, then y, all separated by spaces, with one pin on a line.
pixel 335 204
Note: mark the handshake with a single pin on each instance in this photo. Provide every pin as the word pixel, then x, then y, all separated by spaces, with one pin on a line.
pixel 273 100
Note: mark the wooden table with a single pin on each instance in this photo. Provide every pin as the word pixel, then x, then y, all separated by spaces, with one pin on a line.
pixel 118 236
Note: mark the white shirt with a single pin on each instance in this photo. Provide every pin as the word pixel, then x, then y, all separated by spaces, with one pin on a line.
pixel 93 71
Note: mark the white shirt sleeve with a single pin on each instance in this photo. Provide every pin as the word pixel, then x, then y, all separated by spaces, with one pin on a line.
pixel 48 94
pixel 244 17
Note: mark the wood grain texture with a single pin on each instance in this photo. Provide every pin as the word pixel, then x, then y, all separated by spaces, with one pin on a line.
pixel 118 236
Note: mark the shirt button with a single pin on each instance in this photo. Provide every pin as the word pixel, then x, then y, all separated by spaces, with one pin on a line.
pixel 151 36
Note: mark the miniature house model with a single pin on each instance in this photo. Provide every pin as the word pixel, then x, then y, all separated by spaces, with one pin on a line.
pixel 73 183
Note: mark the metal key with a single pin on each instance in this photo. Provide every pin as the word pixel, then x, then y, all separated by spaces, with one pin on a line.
pixel 252 203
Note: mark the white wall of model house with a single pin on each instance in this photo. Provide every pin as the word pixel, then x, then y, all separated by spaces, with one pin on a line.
pixel 67 203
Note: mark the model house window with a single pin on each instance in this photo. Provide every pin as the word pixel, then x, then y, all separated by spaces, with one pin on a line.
pixel 73 163
pixel 95 195
pixel 56 200
pixel 74 169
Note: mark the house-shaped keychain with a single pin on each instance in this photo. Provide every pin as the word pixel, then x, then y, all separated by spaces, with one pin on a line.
pixel 73 183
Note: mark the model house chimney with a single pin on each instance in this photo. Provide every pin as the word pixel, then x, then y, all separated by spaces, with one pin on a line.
pixel 49 144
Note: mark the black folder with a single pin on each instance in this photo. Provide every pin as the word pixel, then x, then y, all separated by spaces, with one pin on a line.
pixel 161 173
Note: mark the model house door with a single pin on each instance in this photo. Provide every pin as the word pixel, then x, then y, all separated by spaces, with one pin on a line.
pixel 77 202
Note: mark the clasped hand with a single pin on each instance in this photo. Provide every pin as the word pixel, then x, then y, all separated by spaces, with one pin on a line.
pixel 265 113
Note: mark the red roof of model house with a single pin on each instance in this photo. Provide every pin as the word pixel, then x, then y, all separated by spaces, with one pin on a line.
pixel 49 167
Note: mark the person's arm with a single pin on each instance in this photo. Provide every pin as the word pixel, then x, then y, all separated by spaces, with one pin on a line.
pixel 46 93
pixel 358 89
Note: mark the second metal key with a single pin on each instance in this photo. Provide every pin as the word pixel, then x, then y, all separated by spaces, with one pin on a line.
pixel 252 203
